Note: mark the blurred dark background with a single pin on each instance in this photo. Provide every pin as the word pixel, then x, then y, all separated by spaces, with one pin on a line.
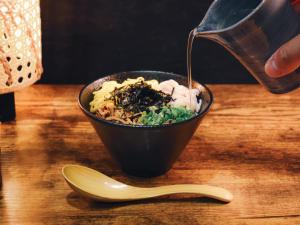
pixel 87 39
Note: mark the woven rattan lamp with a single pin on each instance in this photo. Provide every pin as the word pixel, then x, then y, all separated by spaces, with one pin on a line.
pixel 20 50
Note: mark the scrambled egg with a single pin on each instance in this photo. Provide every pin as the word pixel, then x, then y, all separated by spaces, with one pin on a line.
pixel 103 94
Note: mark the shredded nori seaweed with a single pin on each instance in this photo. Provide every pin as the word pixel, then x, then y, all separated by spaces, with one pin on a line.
pixel 139 97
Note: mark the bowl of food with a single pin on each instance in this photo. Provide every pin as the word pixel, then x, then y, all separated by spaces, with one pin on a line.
pixel 145 118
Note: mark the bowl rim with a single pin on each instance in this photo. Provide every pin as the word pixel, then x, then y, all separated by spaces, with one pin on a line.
pixel 107 122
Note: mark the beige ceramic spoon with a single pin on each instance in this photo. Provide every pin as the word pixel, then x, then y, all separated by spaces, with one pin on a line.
pixel 93 184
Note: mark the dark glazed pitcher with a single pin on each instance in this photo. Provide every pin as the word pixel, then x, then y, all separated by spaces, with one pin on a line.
pixel 252 30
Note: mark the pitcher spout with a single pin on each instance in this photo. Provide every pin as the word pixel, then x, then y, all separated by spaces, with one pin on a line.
pixel 223 14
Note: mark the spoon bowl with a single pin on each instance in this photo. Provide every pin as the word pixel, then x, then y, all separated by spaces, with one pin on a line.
pixel 95 185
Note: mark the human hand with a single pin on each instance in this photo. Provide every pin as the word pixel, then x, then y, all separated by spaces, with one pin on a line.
pixel 287 58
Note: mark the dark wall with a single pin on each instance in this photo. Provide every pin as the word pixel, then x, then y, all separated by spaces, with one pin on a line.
pixel 86 39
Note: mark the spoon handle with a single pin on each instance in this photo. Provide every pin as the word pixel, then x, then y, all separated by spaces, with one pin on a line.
pixel 218 193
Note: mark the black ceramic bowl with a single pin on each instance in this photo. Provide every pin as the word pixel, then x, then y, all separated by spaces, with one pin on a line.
pixel 144 151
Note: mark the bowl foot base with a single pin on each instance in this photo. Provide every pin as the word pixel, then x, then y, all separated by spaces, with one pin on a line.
pixel 144 173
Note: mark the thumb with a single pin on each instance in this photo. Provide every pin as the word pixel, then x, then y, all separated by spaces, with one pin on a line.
pixel 285 60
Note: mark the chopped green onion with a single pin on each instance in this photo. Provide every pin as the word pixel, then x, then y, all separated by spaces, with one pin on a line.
pixel 165 115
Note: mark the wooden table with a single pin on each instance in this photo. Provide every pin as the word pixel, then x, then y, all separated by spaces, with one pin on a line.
pixel 248 143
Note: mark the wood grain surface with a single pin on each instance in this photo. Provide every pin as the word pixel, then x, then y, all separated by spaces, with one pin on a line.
pixel 248 143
